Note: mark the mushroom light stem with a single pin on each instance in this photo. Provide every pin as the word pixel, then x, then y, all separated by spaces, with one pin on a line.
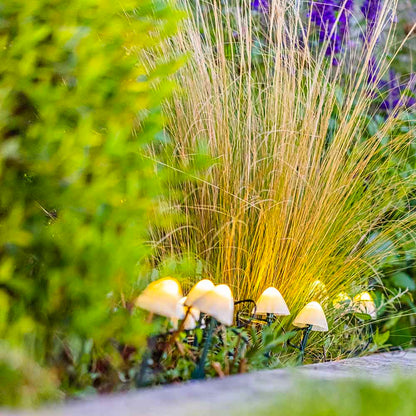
pixel 199 372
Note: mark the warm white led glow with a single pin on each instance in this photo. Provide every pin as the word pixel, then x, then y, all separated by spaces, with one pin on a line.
pixel 341 301
pixel 218 303
pixel 312 314
pixel 364 303
pixel 162 298
pixel 271 301
pixel 319 288
pixel 224 291
pixel 199 289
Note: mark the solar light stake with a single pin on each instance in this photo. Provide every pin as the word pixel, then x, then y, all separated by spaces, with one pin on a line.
pixel 199 372
pixel 303 343
pixel 310 318
pixel 146 361
pixel 269 318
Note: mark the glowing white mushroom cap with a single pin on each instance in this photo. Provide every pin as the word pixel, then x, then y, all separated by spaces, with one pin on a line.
pixel 191 317
pixel 161 297
pixel 271 301
pixel 312 314
pixel 364 303
pixel 341 301
pixel 199 289
pixel 218 303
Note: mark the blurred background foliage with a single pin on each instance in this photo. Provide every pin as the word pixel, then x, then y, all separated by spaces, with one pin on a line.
pixel 340 398
pixel 76 192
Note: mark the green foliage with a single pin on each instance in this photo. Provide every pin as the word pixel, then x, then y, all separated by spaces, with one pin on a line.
pixel 76 195
pixel 403 280
pixel 22 381
pixel 267 346
pixel 339 398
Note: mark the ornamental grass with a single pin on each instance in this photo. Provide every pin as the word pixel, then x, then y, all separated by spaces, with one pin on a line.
pixel 308 187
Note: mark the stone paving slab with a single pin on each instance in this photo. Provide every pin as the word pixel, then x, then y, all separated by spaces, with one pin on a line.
pixel 219 396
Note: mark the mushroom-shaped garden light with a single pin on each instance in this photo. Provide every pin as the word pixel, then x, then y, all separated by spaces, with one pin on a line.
pixel 191 316
pixel 161 297
pixel 219 304
pixel 310 318
pixel 318 290
pixel 312 315
pixel 271 303
pixel 199 289
pixel 363 303
pixel 341 301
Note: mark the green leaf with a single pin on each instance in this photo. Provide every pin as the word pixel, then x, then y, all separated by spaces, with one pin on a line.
pixel 363 316
pixel 403 281
pixel 381 339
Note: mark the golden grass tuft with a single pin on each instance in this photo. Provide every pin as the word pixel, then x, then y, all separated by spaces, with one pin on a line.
pixel 295 193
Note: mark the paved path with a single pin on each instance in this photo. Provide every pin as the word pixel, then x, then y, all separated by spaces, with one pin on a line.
pixel 219 396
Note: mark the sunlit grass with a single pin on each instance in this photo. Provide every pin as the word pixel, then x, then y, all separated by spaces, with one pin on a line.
pixel 298 190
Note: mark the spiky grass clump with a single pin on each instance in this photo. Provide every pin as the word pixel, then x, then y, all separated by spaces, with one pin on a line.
pixel 298 191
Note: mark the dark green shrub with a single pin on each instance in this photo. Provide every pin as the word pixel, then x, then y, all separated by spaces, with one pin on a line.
pixel 76 195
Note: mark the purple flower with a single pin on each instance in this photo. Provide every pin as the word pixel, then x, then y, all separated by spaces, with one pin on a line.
pixel 332 17
pixel 397 94
pixel 260 5
pixel 371 10
pixel 373 71
pixel 345 12
pixel 322 13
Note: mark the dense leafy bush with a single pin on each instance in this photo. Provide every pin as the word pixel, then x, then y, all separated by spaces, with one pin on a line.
pixel 76 195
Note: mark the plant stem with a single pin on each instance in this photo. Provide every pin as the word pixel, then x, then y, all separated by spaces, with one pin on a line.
pixel 199 372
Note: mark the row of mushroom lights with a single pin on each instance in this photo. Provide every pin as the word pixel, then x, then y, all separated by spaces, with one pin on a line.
pixel 164 297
